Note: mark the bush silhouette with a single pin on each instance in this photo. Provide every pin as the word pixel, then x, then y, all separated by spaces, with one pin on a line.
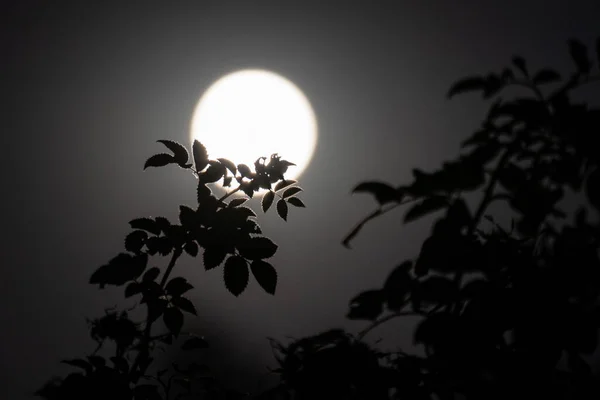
pixel 506 309
pixel 229 235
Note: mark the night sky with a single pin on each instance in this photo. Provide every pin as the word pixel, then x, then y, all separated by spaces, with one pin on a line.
pixel 86 89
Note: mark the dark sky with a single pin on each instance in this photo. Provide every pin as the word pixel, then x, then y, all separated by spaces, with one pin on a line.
pixel 86 89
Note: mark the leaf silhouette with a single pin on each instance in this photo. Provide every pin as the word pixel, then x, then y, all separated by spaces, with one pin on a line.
pixel 132 289
pixel 282 209
pixel 228 164
pixel 257 248
pixel 191 248
pixel 464 85
pixel 265 275
pixel 291 191
pixel 267 200
pixel 213 173
pixel 194 342
pixel 173 319
pixel 213 256
pixel 367 305
pixel 397 286
pixel 283 184
pixel 237 202
pixel 135 241
pixel 235 275
pixel 200 155
pixel 159 160
pixel 427 206
pixel 383 192
pixel 521 64
pixel 151 274
pixel 295 202
pixel 180 154
pixel 145 224
pixel 244 171
pixel 579 55
pixel 178 286
pixel 184 304
pixel 546 76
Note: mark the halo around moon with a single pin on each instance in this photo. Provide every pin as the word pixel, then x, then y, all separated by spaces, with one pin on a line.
pixel 254 113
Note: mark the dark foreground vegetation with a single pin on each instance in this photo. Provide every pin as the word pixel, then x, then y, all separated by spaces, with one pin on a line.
pixel 508 304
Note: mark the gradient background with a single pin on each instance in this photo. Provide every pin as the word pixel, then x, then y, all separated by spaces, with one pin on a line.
pixel 86 88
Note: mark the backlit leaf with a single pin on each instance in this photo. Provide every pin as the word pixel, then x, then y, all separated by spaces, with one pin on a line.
pixel 151 274
pixel 237 202
pixel 295 202
pixel 159 160
pixel 265 275
pixel 179 152
pixel 200 155
pixel 178 286
pixel 282 209
pixel 145 224
pixel 427 206
pixel 229 165
pixel 191 248
pixel 383 192
pixel 283 184
pixel 257 248
pixel 291 191
pixel 213 173
pixel 235 275
pixel 184 304
pixel 135 241
pixel 213 256
pixel 466 85
pixel 267 200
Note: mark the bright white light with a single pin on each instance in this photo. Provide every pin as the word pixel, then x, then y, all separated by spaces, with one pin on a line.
pixel 254 113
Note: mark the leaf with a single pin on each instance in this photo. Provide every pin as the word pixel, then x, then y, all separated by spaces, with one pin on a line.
pixel 367 305
pixel 237 202
pixel 173 319
pixel 265 275
pixel 151 274
pixel 228 164
pixel 203 193
pixel 546 76
pixel 383 192
pixel 178 286
pixel 283 184
pixel 295 202
pixel 520 63
pixel 191 248
pixel 282 209
pixel 119 270
pixel 397 286
pixel 579 55
pixel 185 304
pixel 213 256
pixel 159 160
pixel 267 200
pixel 257 248
pixel 244 171
pixel 235 275
pixel 79 363
pixel 145 224
pixel 427 206
pixel 194 343
pixel 200 155
pixel 213 173
pixel 291 191
pixel 120 364
pixel 466 85
pixel 179 152
pixel 135 241
pixel 187 217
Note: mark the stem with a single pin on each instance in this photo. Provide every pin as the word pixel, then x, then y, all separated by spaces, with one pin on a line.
pixel 229 194
pixel 143 353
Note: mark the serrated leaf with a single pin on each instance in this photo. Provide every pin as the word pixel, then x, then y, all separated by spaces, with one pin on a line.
pixel 184 304
pixel 265 275
pixel 296 202
pixel 132 289
pixel 467 85
pixel 283 184
pixel 191 248
pixel 151 274
pixel 245 211
pixel 427 206
pixel 235 275
pixel 282 209
pixel 579 55
pixel 145 224
pixel 187 216
pixel 178 286
pixel 179 152
pixel 546 76
pixel 267 200
pixel 134 241
pixel 382 192
pixel 200 155
pixel 229 165
pixel 173 319
pixel 194 343
pixel 213 256
pixel 237 202
pixel 257 248
pixel 291 191
pixel 213 173
pixel 159 160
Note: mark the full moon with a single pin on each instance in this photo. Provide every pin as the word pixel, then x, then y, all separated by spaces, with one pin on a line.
pixel 254 113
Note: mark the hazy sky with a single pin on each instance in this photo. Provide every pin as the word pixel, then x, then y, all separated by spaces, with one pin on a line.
pixel 86 89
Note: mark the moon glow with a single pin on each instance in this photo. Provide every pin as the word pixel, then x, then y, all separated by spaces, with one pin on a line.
pixel 254 113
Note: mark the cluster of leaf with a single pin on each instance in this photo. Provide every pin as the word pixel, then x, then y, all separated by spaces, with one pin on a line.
pixel 227 233
pixel 504 312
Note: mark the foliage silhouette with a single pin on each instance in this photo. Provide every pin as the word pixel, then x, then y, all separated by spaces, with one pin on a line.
pixel 229 235
pixel 504 312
